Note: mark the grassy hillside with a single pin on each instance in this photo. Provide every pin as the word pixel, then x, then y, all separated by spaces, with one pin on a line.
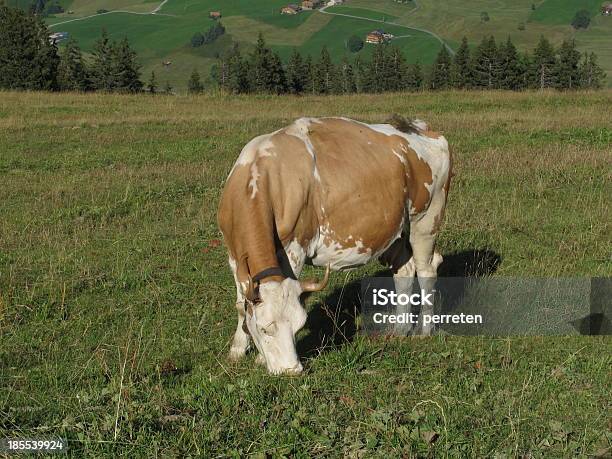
pixel 561 12
pixel 165 36
pixel 454 19
pixel 116 302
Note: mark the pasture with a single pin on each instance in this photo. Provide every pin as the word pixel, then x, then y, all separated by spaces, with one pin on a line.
pixel 454 19
pixel 116 302
pixel 166 36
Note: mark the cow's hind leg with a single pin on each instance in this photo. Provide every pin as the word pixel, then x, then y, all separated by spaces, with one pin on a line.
pixel 403 280
pixel 426 262
pixel 398 257
pixel 241 340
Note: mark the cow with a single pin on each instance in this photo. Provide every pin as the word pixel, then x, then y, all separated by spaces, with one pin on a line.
pixel 335 193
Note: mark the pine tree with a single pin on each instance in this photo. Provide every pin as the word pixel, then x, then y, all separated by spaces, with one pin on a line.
pixel 194 86
pixel 27 59
pixel 486 66
pixel 236 76
pixel 278 79
pixel 511 75
pixel 72 73
pixel 45 60
pixel 346 78
pixel 374 73
pixel 168 88
pixel 309 70
pixel 461 69
pixel 525 64
pixel 126 71
pixel 543 65
pixel 396 68
pixel 358 71
pixel 152 84
pixel 419 78
pixel 102 77
pixel 324 73
pixel 440 77
pixel 414 77
pixel 259 67
pixel 567 70
pixel 592 75
pixel 296 73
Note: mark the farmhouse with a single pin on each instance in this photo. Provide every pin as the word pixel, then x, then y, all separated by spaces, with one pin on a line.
pixel 376 37
pixel 291 9
pixel 606 10
pixel 214 15
pixel 311 4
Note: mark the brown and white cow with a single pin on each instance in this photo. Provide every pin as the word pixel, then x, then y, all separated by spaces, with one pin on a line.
pixel 336 193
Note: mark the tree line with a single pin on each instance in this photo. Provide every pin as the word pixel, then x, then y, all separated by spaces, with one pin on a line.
pixel 488 66
pixel 30 60
pixel 493 66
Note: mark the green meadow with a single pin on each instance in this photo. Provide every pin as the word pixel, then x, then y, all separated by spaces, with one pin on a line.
pixel 363 12
pixel 551 18
pixel 166 36
pixel 117 304
pixel 561 12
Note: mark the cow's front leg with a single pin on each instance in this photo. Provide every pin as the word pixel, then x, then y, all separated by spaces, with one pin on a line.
pixel 403 280
pixel 242 340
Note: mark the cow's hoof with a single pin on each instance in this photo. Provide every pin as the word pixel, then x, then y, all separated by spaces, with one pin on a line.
pixel 260 360
pixel 236 353
pixel 294 371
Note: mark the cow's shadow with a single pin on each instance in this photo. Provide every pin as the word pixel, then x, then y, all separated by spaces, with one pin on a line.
pixel 332 320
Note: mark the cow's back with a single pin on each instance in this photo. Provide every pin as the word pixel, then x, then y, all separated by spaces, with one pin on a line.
pixel 348 184
pixel 362 184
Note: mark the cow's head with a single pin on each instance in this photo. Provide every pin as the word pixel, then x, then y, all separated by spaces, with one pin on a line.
pixel 274 314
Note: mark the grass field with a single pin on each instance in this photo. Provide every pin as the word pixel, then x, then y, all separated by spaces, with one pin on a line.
pixel 563 11
pixel 363 13
pixel 116 302
pixel 171 31
pixel 454 19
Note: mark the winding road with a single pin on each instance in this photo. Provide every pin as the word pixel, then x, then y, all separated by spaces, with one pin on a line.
pixel 155 12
